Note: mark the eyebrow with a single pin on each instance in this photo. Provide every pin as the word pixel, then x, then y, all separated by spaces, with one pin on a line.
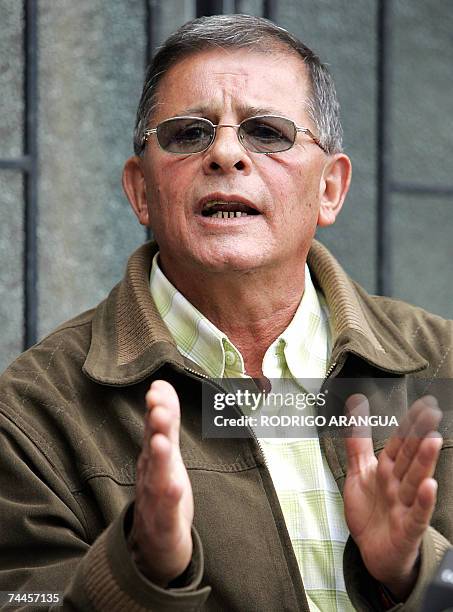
pixel 244 110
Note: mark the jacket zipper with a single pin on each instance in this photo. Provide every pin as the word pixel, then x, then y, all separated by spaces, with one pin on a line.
pixel 329 372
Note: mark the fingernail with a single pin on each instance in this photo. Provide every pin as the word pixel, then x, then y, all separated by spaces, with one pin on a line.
pixel 430 400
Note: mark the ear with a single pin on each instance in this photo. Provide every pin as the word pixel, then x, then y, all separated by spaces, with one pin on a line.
pixel 135 188
pixel 335 183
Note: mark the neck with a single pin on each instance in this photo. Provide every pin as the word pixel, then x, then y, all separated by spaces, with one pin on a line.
pixel 252 308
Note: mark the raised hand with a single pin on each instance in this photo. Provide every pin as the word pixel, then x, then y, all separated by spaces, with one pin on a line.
pixel 160 538
pixel 389 501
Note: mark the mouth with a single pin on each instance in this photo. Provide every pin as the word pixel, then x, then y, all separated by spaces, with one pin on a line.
pixel 227 207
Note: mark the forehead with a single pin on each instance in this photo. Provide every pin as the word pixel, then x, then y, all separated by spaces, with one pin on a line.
pixel 214 82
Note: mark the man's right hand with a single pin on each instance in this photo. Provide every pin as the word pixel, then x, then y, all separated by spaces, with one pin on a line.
pixel 160 539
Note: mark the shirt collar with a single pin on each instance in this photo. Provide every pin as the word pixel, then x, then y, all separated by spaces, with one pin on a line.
pixel 307 339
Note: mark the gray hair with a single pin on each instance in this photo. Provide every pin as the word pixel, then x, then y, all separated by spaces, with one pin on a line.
pixel 254 33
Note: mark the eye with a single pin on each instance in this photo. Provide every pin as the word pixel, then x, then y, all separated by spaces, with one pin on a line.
pixel 263 131
pixel 184 134
pixel 192 133
pixel 267 134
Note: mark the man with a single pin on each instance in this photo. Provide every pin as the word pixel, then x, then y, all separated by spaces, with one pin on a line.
pixel 236 116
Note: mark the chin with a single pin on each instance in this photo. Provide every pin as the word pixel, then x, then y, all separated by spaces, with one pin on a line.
pixel 232 261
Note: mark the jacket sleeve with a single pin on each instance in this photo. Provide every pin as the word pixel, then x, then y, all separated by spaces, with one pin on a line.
pixel 46 546
pixel 364 591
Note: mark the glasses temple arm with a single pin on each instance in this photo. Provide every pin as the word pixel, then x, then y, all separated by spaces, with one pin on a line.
pixel 313 137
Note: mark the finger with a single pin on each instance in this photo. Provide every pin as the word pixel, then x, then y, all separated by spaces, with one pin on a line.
pixel 158 473
pixel 422 466
pixel 359 446
pixel 160 421
pixel 418 518
pixel 145 450
pixel 144 456
pixel 428 419
pixel 396 441
pixel 162 395
pixel 425 425
pixel 164 492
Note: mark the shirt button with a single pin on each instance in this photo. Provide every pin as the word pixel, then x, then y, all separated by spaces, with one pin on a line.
pixel 229 358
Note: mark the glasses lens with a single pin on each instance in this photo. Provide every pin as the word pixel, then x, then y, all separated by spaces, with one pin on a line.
pixel 267 134
pixel 185 135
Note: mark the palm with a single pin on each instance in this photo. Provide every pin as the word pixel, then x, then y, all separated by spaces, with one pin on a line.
pixel 186 503
pixel 376 516
pixel 161 538
pixel 389 501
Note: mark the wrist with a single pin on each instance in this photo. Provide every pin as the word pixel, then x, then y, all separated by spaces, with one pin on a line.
pixel 400 588
pixel 387 599
pixel 177 577
pixel 143 567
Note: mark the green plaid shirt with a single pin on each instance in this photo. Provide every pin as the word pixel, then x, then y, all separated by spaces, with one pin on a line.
pixel 308 494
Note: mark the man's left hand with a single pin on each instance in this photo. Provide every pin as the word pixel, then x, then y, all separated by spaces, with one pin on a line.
pixel 389 501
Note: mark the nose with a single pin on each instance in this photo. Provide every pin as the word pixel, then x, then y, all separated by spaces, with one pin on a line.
pixel 226 154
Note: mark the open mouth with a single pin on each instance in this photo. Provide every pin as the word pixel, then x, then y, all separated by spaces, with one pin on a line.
pixel 227 210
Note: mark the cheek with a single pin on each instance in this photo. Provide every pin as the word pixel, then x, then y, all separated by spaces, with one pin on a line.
pixel 167 215
pixel 307 187
pixel 157 194
pixel 300 203
pixel 170 180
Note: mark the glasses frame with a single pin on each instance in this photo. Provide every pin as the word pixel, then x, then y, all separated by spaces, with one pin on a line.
pixel 297 128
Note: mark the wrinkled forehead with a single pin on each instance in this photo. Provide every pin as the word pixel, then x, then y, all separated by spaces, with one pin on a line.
pixel 243 81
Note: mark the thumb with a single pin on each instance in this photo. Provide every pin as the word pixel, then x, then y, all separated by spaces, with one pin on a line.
pixel 358 442
pixel 164 395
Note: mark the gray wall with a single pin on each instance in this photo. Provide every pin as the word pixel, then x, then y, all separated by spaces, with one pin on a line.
pixel 91 64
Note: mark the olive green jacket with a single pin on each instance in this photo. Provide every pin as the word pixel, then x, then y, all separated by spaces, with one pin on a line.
pixel 71 416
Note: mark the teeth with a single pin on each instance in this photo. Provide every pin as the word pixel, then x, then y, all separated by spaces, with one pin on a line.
pixel 228 215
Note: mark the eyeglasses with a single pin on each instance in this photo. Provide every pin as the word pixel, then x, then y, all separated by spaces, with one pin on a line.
pixel 262 134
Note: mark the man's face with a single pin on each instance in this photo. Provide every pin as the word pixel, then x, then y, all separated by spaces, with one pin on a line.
pixel 283 189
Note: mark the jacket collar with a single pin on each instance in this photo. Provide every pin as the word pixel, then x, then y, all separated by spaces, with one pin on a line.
pixel 360 325
pixel 130 341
